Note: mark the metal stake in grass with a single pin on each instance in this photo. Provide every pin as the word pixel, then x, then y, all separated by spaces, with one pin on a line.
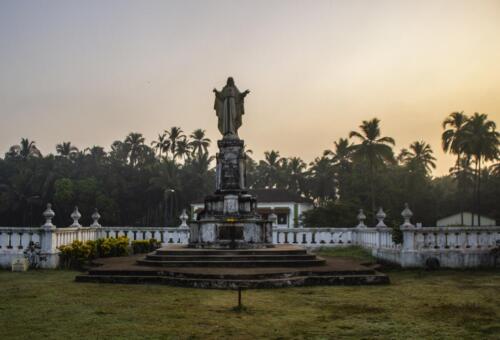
pixel 240 306
pixel 239 298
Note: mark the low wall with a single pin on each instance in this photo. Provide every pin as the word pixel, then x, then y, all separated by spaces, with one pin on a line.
pixel 453 247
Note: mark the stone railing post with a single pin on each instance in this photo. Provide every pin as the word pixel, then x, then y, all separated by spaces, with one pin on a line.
pixel 380 218
pixel 184 217
pixel 48 240
pixel 407 228
pixel 95 219
pixel 361 219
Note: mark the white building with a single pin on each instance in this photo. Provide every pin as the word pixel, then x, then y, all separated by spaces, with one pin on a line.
pixel 287 206
pixel 464 219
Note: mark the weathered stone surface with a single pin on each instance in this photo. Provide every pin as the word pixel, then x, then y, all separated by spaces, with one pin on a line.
pixel 283 266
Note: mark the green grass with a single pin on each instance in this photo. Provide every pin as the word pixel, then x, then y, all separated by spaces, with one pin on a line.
pixel 417 304
pixel 355 252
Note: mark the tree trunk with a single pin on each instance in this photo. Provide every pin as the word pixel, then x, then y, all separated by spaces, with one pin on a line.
pixel 462 190
pixel 479 193
pixel 474 191
pixel 372 190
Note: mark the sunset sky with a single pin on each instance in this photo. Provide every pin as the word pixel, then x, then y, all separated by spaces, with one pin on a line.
pixel 90 72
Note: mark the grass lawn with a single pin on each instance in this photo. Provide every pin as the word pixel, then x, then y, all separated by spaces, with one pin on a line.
pixel 417 304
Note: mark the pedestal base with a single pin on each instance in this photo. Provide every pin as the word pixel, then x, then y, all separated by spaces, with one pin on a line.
pixel 234 235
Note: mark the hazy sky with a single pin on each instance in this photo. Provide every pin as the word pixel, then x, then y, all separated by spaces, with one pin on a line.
pixel 92 71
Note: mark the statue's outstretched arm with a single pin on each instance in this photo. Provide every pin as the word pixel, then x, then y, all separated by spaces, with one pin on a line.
pixel 243 94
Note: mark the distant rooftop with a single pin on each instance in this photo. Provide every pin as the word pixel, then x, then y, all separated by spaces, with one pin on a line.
pixel 273 195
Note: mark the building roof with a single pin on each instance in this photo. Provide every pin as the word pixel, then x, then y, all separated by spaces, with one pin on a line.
pixel 274 195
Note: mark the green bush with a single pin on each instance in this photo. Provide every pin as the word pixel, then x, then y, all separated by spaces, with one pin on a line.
pixel 145 246
pixel 78 254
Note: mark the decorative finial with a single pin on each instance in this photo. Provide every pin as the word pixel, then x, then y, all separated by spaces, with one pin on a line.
pixel 95 217
pixel 49 215
pixel 380 217
pixel 184 217
pixel 361 219
pixel 75 216
pixel 407 214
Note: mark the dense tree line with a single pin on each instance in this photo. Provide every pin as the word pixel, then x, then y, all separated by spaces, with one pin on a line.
pixel 141 184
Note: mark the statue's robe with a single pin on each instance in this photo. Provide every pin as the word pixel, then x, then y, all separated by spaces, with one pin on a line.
pixel 229 108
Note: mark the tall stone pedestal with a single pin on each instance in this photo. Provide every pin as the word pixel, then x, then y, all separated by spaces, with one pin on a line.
pixel 229 218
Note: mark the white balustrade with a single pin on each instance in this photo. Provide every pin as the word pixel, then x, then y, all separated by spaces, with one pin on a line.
pixel 453 246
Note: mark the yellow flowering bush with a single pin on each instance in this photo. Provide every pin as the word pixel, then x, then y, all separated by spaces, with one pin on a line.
pixel 78 254
pixel 145 246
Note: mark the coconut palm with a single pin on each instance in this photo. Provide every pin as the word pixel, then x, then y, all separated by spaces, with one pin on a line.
pixel 24 150
pixel 322 180
pixel 174 135
pixel 419 157
pixel 96 152
pixel 199 142
pixel 161 145
pixel 135 143
pixel 183 149
pixel 294 173
pixel 480 141
pixel 463 175
pixel 341 159
pixel 451 137
pixel 342 156
pixel 66 150
pixel 373 149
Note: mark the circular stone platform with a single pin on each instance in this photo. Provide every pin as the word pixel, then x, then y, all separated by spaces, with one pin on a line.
pixel 281 266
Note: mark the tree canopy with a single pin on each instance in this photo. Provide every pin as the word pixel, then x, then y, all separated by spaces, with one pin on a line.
pixel 142 183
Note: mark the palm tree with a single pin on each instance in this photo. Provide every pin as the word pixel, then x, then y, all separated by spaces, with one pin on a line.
pixel 451 138
pixel 135 142
pixel 452 143
pixel 342 161
pixel 174 135
pixel 66 150
pixel 372 148
pixel 294 169
pixel 463 175
pixel 322 180
pixel 199 142
pixel 120 151
pixel 97 153
pixel 161 145
pixel 481 141
pixel 183 149
pixel 24 150
pixel 419 157
pixel 269 169
pixel 343 152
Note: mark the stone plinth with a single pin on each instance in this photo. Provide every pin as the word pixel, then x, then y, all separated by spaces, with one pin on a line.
pixel 242 233
pixel 229 218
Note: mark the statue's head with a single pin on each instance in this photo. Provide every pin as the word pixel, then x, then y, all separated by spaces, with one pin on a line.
pixel 230 81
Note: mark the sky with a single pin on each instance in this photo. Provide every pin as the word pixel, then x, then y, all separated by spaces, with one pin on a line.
pixel 90 71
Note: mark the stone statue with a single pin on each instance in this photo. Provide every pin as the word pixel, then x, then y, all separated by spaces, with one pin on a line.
pixel 229 106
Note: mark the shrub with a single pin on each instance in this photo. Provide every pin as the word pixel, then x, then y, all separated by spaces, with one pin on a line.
pixel 145 246
pixel 75 255
pixel 78 254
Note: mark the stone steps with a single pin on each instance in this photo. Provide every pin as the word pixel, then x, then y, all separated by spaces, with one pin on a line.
pixel 235 252
pixel 374 279
pixel 281 257
pixel 233 263
pixel 229 276
pixel 279 266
